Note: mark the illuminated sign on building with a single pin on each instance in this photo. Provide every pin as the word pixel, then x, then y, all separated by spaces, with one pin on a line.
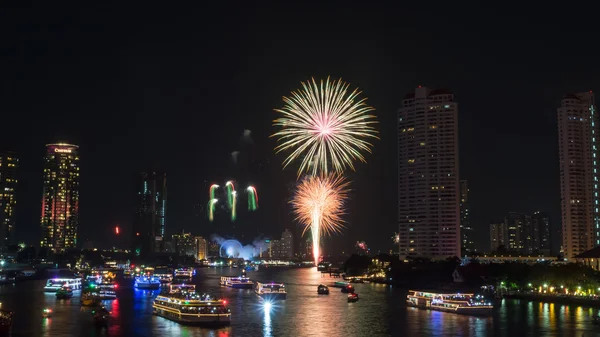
pixel 62 150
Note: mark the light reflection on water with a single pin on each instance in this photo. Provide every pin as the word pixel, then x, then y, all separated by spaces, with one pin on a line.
pixel 381 311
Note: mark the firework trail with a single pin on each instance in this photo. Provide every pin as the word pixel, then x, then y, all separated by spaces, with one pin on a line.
pixel 252 198
pixel 396 238
pixel 233 210
pixel 211 209
pixel 230 189
pixel 325 125
pixel 213 189
pixel 319 204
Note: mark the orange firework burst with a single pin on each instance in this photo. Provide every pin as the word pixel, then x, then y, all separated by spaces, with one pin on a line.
pixel 319 205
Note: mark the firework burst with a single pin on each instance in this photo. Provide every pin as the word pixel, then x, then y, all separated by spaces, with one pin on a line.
pixel 252 198
pixel 319 205
pixel 211 209
pixel 326 125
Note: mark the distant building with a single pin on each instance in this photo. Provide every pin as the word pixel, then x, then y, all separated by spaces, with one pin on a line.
pixel 579 173
pixel 498 236
pixel 428 187
pixel 518 229
pixel 184 244
pixel 540 232
pixel 60 197
pixel 275 249
pixel 466 231
pixel 9 163
pixel 287 244
pixel 149 224
pixel 201 248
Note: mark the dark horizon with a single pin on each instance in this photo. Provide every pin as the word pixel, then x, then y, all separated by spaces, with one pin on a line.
pixel 141 89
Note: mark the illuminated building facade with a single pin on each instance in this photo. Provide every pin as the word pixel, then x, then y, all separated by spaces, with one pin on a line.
pixel 9 164
pixel 498 236
pixel 184 244
pixel 201 248
pixel 466 231
pixel 60 200
pixel 578 156
pixel 149 224
pixel 428 186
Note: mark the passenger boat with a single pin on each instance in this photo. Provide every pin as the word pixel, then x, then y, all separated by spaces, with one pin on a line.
pixel 164 274
pixel 459 303
pixel 64 293
pixel 271 290
pixel 147 282
pixel 107 290
pixel 240 282
pixel 184 273
pixel 183 305
pixel 90 297
pixel 353 297
pixel 6 317
pixel 53 284
pixel 322 289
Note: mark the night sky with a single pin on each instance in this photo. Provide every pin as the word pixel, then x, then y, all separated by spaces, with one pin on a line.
pixel 174 89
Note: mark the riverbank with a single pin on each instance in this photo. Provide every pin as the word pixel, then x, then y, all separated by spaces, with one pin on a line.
pixel 588 302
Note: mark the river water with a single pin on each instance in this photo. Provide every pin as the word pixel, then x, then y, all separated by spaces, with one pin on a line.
pixel 381 311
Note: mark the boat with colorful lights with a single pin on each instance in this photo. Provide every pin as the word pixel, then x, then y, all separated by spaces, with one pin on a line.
pixel 183 305
pixel 164 274
pixel 90 297
pixel 54 284
pixel 460 303
pixel 107 290
pixel 184 273
pixel 271 290
pixel 240 282
pixel 65 292
pixel 147 282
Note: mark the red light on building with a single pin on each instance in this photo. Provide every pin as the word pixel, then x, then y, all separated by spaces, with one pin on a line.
pixel 137 234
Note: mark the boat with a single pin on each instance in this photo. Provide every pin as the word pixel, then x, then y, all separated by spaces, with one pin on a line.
pixel 184 273
pixel 47 313
pixel 107 290
pixel 54 284
pixel 90 297
pixel 271 290
pixel 322 289
pixel 6 317
pixel 178 288
pixel 185 306
pixel 348 289
pixel 164 274
pixel 64 293
pixel 353 297
pixel 240 282
pixel 147 282
pixel 101 316
pixel 459 303
pixel 340 284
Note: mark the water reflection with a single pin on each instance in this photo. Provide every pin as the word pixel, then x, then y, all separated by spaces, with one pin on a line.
pixel 267 330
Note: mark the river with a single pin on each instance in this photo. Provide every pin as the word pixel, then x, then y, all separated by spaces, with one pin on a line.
pixel 381 311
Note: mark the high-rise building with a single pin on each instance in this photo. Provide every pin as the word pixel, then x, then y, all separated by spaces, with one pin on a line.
pixel 428 188
pixel 9 164
pixel 149 224
pixel 60 200
pixel 518 231
pixel 184 244
pixel 287 244
pixel 540 232
pixel 498 236
pixel 466 231
pixel 578 155
pixel 201 248
pixel 275 249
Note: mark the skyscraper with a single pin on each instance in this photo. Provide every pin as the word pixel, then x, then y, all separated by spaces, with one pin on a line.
pixel 518 231
pixel 466 231
pixel 9 164
pixel 287 244
pixel 60 200
pixel 149 224
pixel 578 156
pixel 428 189
pixel 498 236
pixel 201 248
pixel 540 232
